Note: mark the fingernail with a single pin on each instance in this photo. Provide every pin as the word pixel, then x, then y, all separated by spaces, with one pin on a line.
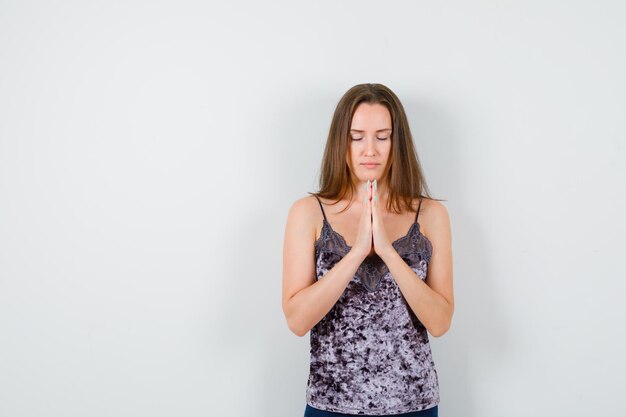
pixel 368 183
pixel 376 184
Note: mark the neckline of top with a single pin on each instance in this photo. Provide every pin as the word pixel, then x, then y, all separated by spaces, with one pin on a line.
pixel 394 243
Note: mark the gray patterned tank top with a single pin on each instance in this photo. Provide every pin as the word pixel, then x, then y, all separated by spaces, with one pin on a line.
pixel 370 354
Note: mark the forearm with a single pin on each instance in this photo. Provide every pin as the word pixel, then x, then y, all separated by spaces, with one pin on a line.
pixel 430 307
pixel 307 307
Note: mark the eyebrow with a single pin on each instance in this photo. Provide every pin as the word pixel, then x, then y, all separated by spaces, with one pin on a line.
pixel 361 131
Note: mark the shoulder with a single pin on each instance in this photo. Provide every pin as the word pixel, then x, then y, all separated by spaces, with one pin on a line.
pixel 305 210
pixel 304 216
pixel 434 215
pixel 434 208
pixel 305 206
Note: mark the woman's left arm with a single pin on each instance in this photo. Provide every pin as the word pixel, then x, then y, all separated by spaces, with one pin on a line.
pixel 431 301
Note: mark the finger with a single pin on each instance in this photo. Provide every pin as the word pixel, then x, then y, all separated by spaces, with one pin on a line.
pixel 368 204
pixel 375 191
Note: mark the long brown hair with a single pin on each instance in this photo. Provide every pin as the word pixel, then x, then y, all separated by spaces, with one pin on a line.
pixel 404 173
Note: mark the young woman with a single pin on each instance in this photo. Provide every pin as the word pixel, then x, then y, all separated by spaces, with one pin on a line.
pixel 362 273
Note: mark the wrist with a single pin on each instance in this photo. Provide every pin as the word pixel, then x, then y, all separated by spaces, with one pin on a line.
pixel 357 255
pixel 388 254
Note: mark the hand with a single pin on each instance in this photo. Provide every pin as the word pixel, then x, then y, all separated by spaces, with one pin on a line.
pixel 382 245
pixel 363 244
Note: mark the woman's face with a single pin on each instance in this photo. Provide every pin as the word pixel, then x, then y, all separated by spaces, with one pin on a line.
pixel 369 142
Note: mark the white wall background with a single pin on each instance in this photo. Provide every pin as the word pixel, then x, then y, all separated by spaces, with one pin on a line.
pixel 149 153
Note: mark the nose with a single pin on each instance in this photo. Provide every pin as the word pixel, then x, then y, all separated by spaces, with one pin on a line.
pixel 370 147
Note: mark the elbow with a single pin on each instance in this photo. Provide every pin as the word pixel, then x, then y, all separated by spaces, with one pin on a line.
pixel 440 331
pixel 294 322
pixel 298 331
pixel 443 328
pixel 301 333
pixel 296 328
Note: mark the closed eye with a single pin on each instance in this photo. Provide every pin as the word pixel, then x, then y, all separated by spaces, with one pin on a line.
pixel 376 138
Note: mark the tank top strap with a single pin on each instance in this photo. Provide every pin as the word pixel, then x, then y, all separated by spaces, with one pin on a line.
pixel 323 214
pixel 418 210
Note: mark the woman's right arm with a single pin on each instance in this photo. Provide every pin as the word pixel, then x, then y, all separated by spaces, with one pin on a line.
pixel 306 300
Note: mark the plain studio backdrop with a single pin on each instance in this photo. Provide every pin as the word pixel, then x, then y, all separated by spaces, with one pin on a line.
pixel 150 151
